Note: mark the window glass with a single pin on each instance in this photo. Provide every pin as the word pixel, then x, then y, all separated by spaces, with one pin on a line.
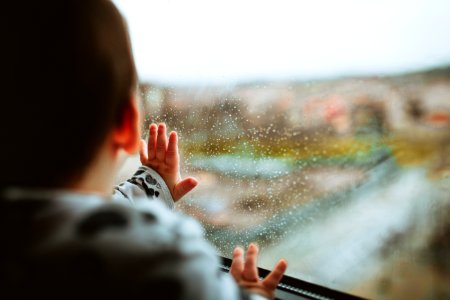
pixel 318 129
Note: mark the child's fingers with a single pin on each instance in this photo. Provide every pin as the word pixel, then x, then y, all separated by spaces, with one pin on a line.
pixel 143 155
pixel 172 158
pixel 183 187
pixel 250 269
pixel 161 142
pixel 272 280
pixel 237 264
pixel 151 148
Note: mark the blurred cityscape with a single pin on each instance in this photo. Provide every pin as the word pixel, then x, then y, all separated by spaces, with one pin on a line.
pixel 348 178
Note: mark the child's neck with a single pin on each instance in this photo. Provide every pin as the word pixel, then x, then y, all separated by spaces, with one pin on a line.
pixel 99 176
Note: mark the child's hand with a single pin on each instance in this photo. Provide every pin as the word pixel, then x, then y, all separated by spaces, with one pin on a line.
pixel 163 157
pixel 246 272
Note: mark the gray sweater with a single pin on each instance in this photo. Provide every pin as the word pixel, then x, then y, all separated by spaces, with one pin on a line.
pixel 65 245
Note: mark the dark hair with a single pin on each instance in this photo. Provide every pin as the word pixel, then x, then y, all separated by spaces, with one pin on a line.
pixel 68 72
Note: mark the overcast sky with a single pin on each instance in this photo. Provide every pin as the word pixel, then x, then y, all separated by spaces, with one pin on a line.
pixel 208 41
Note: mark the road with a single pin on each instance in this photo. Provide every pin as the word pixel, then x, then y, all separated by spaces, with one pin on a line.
pixel 341 246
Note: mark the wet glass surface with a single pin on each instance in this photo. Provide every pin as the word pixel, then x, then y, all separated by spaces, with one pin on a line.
pixel 351 186
pixel 345 176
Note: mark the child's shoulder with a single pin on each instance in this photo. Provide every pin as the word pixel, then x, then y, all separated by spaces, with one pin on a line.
pixel 107 248
pixel 72 216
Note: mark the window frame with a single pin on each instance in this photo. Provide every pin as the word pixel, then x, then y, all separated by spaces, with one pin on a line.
pixel 291 288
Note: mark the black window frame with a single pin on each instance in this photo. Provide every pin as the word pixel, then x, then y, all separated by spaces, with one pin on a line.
pixel 291 288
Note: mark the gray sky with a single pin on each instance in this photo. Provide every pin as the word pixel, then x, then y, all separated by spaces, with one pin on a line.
pixel 212 41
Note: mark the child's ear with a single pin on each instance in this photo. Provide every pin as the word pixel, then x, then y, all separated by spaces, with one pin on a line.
pixel 126 135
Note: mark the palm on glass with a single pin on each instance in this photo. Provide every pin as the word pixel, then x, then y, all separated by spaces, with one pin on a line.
pixel 161 154
pixel 245 272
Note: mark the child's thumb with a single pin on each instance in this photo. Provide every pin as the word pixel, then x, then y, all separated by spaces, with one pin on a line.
pixel 183 187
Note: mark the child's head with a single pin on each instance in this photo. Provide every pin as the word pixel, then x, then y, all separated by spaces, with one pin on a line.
pixel 68 76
